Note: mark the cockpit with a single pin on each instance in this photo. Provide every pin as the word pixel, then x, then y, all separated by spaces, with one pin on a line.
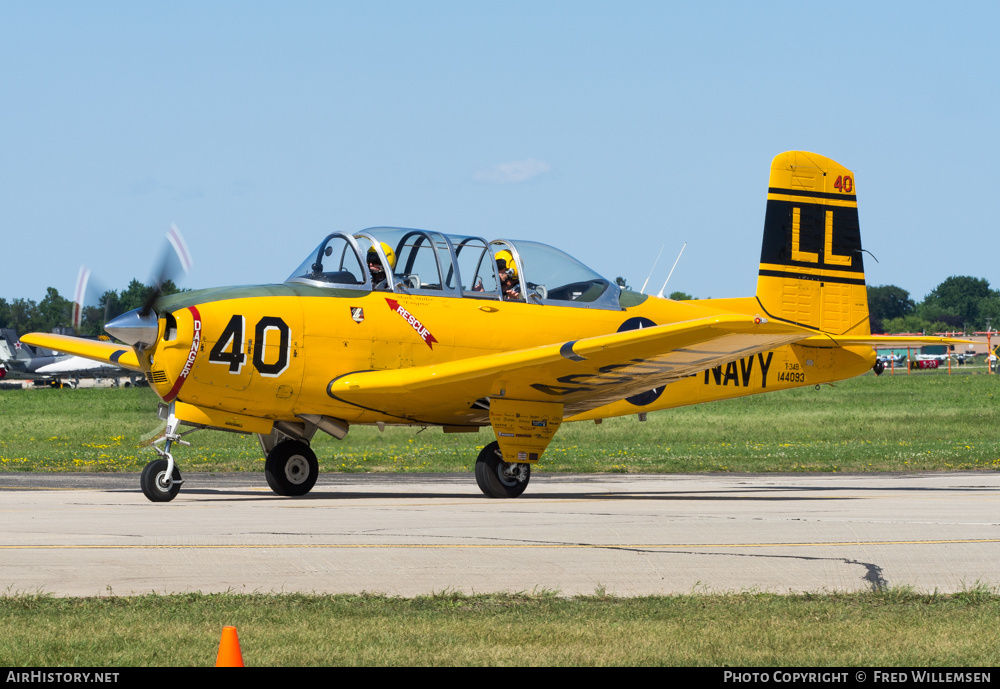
pixel 423 262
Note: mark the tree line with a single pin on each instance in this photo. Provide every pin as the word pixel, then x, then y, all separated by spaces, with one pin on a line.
pixel 959 304
pixel 55 311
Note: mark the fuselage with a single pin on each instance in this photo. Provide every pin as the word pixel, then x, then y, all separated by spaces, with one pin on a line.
pixel 271 352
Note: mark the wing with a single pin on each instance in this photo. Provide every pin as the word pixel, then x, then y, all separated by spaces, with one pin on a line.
pixel 582 374
pixel 105 352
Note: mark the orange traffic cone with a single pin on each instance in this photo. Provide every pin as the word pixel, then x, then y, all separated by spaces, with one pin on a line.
pixel 229 649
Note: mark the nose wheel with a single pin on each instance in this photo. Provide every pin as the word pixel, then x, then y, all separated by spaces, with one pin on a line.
pixel 497 478
pixel 157 484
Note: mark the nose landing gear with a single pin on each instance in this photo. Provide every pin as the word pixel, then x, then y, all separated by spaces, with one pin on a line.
pixel 161 480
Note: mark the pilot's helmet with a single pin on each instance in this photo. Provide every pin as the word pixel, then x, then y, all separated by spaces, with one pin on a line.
pixel 389 255
pixel 508 260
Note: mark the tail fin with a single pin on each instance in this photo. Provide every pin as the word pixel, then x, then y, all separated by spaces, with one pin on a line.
pixel 9 348
pixel 5 352
pixel 811 268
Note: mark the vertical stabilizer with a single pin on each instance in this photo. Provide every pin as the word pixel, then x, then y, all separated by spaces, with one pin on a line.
pixel 811 267
pixel 11 349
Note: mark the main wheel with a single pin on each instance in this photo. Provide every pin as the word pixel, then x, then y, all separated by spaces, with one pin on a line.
pixel 497 478
pixel 153 478
pixel 291 468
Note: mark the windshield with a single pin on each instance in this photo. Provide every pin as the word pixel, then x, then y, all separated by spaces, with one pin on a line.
pixel 335 262
pixel 555 276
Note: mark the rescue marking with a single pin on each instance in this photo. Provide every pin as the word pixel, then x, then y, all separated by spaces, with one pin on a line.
pixel 417 326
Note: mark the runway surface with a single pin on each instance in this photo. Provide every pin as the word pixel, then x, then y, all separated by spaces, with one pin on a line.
pixel 83 535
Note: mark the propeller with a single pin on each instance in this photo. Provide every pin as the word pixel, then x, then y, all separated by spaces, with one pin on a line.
pixel 138 327
pixel 167 268
pixel 153 435
pixel 82 278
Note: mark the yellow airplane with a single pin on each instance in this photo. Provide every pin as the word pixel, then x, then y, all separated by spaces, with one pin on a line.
pixel 412 327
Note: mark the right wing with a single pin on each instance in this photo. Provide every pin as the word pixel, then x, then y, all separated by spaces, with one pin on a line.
pixel 581 374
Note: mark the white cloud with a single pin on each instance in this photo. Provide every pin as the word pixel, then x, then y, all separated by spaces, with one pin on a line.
pixel 513 172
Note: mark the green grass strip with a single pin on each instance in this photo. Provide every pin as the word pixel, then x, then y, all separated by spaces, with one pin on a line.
pixel 891 628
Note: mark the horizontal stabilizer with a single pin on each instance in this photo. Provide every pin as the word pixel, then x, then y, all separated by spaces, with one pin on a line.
pixel 105 352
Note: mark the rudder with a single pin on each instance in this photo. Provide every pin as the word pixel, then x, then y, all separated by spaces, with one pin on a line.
pixel 811 267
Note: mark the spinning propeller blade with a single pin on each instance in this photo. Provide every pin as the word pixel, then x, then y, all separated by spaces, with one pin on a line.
pixel 167 267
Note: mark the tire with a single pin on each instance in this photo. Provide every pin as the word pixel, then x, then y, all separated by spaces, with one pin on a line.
pixel 291 468
pixel 497 478
pixel 150 485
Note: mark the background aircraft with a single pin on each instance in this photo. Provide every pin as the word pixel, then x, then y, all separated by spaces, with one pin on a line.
pixel 892 358
pixel 21 361
pixel 449 337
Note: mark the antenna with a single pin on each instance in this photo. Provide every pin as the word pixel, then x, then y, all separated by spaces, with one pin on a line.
pixel 660 295
pixel 643 290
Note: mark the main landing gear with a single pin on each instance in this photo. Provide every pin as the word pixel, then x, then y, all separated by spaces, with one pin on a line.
pixel 291 468
pixel 497 478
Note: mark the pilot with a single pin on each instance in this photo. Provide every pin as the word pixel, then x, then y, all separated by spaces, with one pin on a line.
pixel 510 287
pixel 377 270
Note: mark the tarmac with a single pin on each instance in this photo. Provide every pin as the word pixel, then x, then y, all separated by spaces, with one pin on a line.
pixel 412 534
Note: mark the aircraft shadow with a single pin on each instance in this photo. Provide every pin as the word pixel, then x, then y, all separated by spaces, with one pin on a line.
pixel 742 494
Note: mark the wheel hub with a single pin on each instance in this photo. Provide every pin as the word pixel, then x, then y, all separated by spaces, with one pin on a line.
pixel 512 472
pixel 297 470
pixel 163 481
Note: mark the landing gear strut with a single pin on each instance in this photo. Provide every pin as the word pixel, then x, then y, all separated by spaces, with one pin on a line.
pixel 291 468
pixel 497 478
pixel 161 480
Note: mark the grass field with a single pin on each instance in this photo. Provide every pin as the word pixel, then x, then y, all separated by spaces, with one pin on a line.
pixel 926 421
pixel 890 628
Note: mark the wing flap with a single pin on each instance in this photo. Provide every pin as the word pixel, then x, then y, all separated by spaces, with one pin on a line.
pixel 105 352
pixel 581 374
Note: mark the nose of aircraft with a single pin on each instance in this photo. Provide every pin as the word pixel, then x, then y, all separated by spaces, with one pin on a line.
pixel 134 327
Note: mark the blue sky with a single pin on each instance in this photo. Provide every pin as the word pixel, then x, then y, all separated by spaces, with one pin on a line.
pixel 606 129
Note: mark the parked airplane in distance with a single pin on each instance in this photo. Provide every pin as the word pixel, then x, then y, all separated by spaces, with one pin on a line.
pixel 21 361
